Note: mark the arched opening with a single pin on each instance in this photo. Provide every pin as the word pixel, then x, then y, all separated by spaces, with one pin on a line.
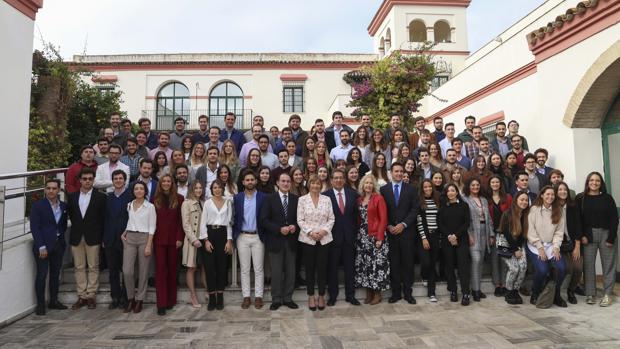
pixel 382 47
pixel 442 31
pixel 388 39
pixel 225 97
pixel 417 31
pixel 172 102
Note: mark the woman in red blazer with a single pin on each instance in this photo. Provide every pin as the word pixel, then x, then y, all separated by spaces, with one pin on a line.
pixel 372 266
pixel 168 239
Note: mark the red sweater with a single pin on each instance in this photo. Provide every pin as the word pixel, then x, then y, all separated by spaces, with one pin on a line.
pixel 377 216
pixel 72 180
pixel 169 228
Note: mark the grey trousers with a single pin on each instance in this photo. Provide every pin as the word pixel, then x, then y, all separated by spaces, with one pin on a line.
pixel 282 274
pixel 477 257
pixel 133 249
pixel 608 260
pixel 516 271
pixel 498 268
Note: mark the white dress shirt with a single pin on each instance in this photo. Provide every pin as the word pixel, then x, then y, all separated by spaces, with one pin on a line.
pixel 212 216
pixel 340 152
pixel 103 178
pixel 143 219
pixel 84 201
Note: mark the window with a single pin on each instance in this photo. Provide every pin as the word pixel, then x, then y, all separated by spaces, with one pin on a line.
pixel 438 81
pixel 105 88
pixel 388 39
pixel 382 47
pixel 293 99
pixel 442 31
pixel 225 97
pixel 172 102
pixel 417 31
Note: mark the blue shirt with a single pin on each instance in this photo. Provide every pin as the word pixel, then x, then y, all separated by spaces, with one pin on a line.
pixel 249 214
pixel 57 212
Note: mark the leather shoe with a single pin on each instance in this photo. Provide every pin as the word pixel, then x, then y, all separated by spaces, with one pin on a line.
pixel 571 297
pixel 579 291
pixel 78 304
pixel 534 299
pixel 291 305
pixel 331 302
pixel 130 306
pixel 138 307
pixel 246 303
pixel 410 300
pixel 40 310
pixel 353 301
pixel 453 296
pixel 114 305
pixel 394 299
pixel 465 300
pixel 258 303
pixel 91 304
pixel 275 306
pixel 161 311
pixel 560 302
pixel 57 305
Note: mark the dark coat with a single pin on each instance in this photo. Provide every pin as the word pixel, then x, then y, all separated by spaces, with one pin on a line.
pixel 346 226
pixel 407 209
pixel 272 219
pixel 91 226
pixel 43 225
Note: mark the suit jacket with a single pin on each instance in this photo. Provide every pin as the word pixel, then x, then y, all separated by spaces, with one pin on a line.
pixel 236 136
pixel 272 219
pixel 331 136
pixel 346 226
pixel 238 201
pixel 90 226
pixel 329 140
pixel 407 209
pixel 151 140
pixel 116 217
pixel 43 225
pixel 169 227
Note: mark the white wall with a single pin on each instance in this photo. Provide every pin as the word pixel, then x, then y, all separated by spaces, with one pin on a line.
pixel 17 273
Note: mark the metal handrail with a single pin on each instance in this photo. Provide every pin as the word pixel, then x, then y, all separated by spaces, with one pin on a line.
pixel 32 173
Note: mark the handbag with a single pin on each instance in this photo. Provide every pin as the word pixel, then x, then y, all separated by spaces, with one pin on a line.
pixel 503 248
pixel 568 244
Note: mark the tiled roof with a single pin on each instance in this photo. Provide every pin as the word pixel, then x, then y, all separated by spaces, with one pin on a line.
pixel 580 9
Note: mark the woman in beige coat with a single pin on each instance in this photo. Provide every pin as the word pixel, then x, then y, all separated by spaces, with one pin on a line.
pixel 191 211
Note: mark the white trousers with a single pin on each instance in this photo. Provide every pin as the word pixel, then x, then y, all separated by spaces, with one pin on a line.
pixel 251 252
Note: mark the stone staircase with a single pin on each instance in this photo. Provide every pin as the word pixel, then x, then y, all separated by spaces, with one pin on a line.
pixel 232 294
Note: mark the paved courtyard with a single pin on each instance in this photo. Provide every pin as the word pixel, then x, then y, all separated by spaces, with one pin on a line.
pixel 490 324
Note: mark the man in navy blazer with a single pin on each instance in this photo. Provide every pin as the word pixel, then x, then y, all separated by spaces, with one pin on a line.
pixel 230 132
pixel 146 169
pixel 116 217
pixel 48 224
pixel 249 238
pixel 403 203
pixel 344 232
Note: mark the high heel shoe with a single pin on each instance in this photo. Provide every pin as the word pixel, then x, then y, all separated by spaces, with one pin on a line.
pixel 321 305
pixel 194 302
pixel 311 303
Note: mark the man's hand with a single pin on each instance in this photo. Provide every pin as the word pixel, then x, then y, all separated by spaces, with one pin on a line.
pixel 285 230
pixel 425 244
pixel 43 253
pixel 179 244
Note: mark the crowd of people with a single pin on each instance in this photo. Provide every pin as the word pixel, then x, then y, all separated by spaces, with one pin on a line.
pixel 375 202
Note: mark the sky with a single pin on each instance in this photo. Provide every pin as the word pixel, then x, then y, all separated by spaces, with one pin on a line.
pixel 202 26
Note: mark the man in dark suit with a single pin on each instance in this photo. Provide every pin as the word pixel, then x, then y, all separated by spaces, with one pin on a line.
pixel 146 169
pixel 48 223
pixel 151 137
pixel 334 130
pixel 344 232
pixel 278 217
pixel 86 209
pixel 403 204
pixel 321 134
pixel 116 217
pixel 249 238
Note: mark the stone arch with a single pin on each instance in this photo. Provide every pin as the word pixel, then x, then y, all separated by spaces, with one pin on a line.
pixel 596 91
pixel 442 30
pixel 417 31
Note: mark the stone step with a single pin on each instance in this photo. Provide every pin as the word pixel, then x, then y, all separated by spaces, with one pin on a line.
pixel 232 295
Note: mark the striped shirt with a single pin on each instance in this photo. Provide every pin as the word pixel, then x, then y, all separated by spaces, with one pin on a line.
pixel 427 218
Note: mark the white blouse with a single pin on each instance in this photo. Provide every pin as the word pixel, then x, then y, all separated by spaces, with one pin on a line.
pixel 212 216
pixel 143 219
pixel 314 218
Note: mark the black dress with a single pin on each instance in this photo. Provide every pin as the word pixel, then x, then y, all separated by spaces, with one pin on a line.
pixel 372 265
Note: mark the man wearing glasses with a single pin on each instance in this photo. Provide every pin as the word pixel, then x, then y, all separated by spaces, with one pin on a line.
pixel 517 148
pixel 103 179
pixel 86 209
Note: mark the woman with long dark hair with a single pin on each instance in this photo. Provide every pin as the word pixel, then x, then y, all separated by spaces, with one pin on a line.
pixel 379 169
pixel 168 239
pixel 428 246
pixel 310 168
pixel 307 150
pixel 378 145
pixel 160 161
pixel 354 158
pixel 571 244
pixel 216 237
pixel 254 164
pixel 453 220
pixel 544 238
pixel 225 176
pixel 481 234
pixel 479 171
pixel 499 202
pixel 265 181
pixel 599 217
pixel 298 182
pixel 438 181
pixel 497 168
pixel 352 176
pixel 361 140
pixel 513 227
pixel 434 151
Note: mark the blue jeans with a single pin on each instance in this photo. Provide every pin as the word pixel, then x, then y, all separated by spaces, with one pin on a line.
pixel 541 272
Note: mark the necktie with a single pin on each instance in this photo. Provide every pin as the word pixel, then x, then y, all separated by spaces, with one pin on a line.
pixel 396 194
pixel 285 205
pixel 341 203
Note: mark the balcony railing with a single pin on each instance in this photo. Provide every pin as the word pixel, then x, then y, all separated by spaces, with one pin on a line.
pixel 216 118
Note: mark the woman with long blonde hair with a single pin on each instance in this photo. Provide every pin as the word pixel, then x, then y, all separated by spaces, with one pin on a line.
pixel 228 157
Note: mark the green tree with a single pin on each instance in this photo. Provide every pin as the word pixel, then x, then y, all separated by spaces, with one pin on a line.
pixel 393 85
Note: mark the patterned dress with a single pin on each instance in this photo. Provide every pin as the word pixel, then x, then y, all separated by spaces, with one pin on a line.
pixel 372 266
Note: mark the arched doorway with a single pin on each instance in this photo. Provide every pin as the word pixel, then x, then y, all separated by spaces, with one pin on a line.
pixel 595 104
pixel 225 97
pixel 172 102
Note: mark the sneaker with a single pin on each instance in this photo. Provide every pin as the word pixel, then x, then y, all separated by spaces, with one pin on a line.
pixel 606 301
pixel 432 298
pixel 590 300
